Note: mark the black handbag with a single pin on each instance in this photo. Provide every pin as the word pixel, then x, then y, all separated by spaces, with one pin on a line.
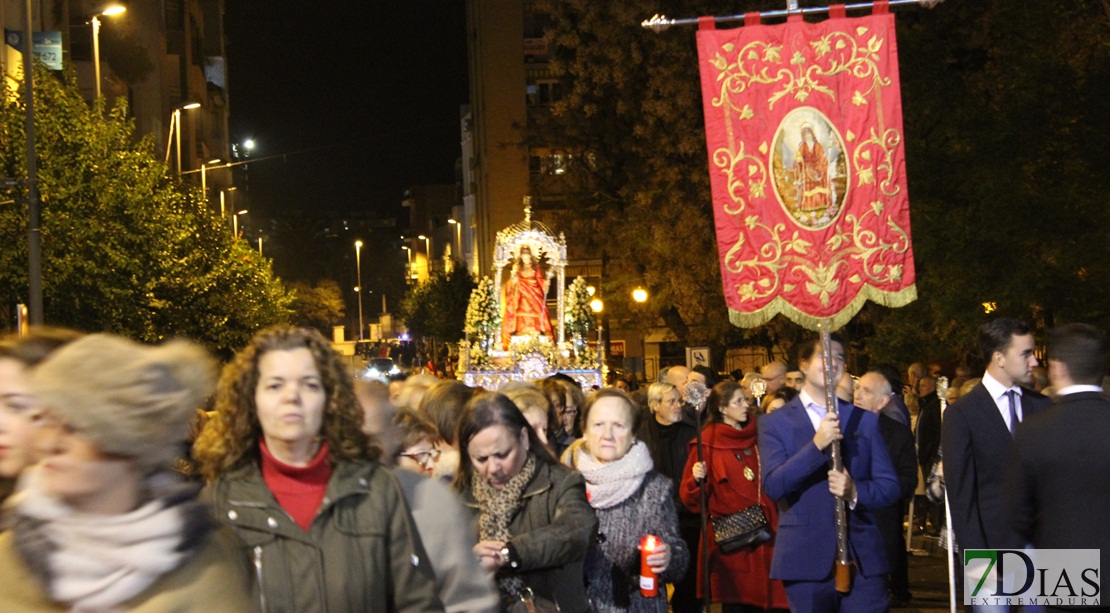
pixel 745 528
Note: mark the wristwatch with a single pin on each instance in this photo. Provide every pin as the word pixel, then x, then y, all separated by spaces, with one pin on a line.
pixel 509 557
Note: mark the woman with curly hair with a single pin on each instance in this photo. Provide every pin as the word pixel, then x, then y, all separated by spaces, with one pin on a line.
pixel 294 475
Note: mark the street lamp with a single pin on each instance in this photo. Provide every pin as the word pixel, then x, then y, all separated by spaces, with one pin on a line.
pixel 358 290
pixel 235 222
pixel 223 206
pixel 408 268
pixel 107 10
pixel 427 253
pixel 204 177
pixel 175 128
pixel 640 296
pixel 458 237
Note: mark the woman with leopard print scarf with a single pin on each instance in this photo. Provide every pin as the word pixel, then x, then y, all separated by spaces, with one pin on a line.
pixel 534 522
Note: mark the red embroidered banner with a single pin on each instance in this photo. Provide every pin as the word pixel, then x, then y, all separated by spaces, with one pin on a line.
pixel 804 130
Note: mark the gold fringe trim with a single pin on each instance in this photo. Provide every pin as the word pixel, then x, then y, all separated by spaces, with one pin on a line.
pixel 755 319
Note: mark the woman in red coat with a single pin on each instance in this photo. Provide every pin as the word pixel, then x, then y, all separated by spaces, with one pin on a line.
pixel 739 580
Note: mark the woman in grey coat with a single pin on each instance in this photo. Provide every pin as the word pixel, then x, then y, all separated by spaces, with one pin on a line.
pixel 631 501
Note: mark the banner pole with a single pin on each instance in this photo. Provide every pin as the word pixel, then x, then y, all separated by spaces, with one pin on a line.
pixel 836 460
pixel 660 23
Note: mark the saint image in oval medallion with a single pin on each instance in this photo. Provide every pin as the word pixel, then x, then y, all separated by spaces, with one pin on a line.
pixel 809 167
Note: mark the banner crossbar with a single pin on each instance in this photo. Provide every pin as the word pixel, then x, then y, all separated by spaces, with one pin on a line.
pixel 659 23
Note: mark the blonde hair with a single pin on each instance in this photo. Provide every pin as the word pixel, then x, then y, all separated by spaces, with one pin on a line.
pixel 130 400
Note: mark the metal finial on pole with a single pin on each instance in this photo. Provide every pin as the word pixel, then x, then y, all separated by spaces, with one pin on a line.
pixel 658 23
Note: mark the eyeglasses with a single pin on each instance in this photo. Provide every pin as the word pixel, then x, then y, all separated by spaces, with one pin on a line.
pixel 568 411
pixel 423 457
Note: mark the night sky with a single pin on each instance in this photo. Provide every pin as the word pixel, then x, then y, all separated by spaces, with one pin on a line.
pixel 359 99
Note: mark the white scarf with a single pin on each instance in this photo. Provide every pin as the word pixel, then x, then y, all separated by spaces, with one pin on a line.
pixel 611 483
pixel 96 562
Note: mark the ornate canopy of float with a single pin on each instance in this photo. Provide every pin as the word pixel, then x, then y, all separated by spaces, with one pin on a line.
pixel 502 344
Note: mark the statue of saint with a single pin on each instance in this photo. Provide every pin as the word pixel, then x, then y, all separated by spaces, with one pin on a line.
pixel 524 299
pixel 811 174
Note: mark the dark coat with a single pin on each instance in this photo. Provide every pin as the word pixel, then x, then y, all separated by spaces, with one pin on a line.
pixel 928 431
pixel 358 554
pixel 976 447
pixel 795 473
pixel 552 531
pixel 669 447
pixel 1057 484
pixel 743 576
pixel 899 444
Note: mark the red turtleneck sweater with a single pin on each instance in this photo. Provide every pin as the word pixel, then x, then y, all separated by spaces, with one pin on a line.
pixel 298 489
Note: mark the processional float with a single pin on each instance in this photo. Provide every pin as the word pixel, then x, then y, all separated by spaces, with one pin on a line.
pixel 807 167
pixel 510 334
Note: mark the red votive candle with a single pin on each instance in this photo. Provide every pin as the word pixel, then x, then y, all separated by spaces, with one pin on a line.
pixel 649 581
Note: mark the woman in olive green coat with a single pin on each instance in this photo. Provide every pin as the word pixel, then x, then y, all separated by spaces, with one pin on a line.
pixel 325 526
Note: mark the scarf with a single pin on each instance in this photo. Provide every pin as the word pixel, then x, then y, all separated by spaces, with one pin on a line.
pixel 97 562
pixel 496 510
pixel 611 483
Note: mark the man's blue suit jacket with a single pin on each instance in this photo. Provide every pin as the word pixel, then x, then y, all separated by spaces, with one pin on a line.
pixel 795 473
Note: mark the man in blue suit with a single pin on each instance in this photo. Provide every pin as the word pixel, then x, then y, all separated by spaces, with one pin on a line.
pixel 794 451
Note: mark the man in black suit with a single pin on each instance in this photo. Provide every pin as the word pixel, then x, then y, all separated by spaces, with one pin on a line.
pixel 1057 481
pixel 977 437
pixel 874 393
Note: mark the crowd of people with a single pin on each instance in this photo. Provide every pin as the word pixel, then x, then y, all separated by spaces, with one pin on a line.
pixel 136 479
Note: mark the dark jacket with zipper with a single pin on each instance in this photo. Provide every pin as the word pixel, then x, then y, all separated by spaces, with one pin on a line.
pixel 552 531
pixel 361 553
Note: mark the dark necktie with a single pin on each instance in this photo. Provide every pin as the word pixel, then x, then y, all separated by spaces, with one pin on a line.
pixel 1012 395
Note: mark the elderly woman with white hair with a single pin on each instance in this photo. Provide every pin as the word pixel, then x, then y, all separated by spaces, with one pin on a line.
pixel 103 523
pixel 633 504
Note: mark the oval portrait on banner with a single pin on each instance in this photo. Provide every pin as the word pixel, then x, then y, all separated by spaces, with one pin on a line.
pixel 809 167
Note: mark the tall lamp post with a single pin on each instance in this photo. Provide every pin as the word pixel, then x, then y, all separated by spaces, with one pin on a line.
pixel 358 290
pixel 458 238
pixel 640 296
pixel 235 223
pixel 107 10
pixel 427 253
pixel 175 129
pixel 204 177
pixel 408 268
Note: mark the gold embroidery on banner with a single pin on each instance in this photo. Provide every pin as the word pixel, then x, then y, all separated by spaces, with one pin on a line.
pixel 778 260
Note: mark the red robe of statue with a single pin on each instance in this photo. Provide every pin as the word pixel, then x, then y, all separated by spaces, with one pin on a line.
pixel 524 300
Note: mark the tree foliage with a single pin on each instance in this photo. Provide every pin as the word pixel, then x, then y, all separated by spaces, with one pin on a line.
pixel 437 308
pixel 124 249
pixel 1006 120
pixel 317 306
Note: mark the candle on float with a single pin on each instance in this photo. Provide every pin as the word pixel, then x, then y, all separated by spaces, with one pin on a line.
pixel 649 581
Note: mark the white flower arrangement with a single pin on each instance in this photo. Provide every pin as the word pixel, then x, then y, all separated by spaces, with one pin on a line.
pixel 533 344
pixel 577 313
pixel 483 315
